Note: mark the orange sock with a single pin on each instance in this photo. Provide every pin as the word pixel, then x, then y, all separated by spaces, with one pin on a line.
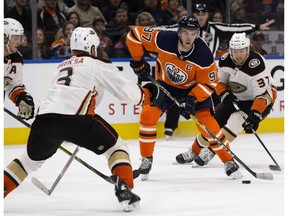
pixel 9 184
pixel 125 173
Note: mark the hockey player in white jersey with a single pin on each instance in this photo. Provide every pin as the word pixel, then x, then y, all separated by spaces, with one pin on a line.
pixel 67 114
pixel 244 79
pixel 13 61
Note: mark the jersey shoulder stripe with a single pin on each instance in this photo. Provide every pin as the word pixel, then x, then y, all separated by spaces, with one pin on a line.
pixel 253 65
pixel 165 41
pixel 15 58
pixel 202 54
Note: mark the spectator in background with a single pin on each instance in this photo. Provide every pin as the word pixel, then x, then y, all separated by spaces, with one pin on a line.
pixel 118 25
pixel 50 19
pixel 238 13
pixel 145 19
pixel 153 7
pixel 22 13
pixel 100 29
pixel 258 41
pixel 43 50
pixel 86 12
pixel 171 12
pixel 217 16
pixel 109 11
pixel 61 47
pixel 61 5
pixel 73 17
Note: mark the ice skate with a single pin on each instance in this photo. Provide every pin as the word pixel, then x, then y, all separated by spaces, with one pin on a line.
pixel 168 132
pixel 129 200
pixel 186 157
pixel 145 167
pixel 203 158
pixel 232 169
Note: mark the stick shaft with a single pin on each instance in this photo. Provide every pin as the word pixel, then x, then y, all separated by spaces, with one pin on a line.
pixel 254 132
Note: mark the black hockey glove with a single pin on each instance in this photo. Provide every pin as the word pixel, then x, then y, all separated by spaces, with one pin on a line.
pixel 156 95
pixel 227 97
pixel 26 105
pixel 252 122
pixel 189 107
pixel 140 68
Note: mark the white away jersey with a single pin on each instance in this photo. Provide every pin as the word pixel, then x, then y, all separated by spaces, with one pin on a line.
pixel 81 80
pixel 13 74
pixel 250 80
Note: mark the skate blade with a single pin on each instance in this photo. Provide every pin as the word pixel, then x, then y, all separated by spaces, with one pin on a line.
pixel 236 175
pixel 129 207
pixel 144 177
pixel 195 165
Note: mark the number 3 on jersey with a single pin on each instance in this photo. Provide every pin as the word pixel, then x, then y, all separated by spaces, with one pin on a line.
pixel 65 75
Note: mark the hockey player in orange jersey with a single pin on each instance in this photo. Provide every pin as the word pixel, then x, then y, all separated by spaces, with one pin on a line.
pixel 186 68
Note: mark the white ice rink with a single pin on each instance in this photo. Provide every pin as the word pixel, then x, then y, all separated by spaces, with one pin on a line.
pixel 176 190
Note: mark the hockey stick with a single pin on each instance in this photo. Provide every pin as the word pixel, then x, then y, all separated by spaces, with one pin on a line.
pixel 42 187
pixel 265 176
pixel 272 167
pixel 110 179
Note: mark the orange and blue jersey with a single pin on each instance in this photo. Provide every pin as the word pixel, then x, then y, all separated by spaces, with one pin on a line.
pixel 195 70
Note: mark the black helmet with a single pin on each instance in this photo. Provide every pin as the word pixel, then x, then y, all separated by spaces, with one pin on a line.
pixel 201 7
pixel 188 22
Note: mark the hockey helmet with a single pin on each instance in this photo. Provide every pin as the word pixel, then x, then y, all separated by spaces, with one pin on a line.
pixel 83 38
pixel 239 41
pixel 12 27
pixel 188 22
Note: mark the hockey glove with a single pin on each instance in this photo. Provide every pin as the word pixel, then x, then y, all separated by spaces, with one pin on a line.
pixel 156 95
pixel 189 107
pixel 26 105
pixel 252 122
pixel 227 97
pixel 140 68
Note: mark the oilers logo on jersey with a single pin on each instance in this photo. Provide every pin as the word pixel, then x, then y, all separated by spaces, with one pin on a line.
pixel 175 74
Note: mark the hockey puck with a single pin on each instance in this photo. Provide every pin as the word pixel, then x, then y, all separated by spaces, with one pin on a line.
pixel 246 182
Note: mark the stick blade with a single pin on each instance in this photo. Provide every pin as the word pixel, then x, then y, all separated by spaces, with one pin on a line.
pixel 275 168
pixel 39 185
pixel 265 176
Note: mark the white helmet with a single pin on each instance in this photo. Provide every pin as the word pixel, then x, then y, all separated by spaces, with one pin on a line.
pixel 12 27
pixel 83 38
pixel 239 41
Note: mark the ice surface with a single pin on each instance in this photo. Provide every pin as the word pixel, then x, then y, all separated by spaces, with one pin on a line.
pixel 171 189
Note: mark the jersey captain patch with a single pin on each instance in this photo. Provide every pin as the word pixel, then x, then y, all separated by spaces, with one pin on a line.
pixel 254 63
pixel 175 74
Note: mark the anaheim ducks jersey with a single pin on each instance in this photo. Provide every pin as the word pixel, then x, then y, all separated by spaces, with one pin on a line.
pixel 80 81
pixel 195 68
pixel 13 85
pixel 251 81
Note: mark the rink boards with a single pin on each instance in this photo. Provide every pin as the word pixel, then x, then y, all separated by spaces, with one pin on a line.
pixel 125 118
